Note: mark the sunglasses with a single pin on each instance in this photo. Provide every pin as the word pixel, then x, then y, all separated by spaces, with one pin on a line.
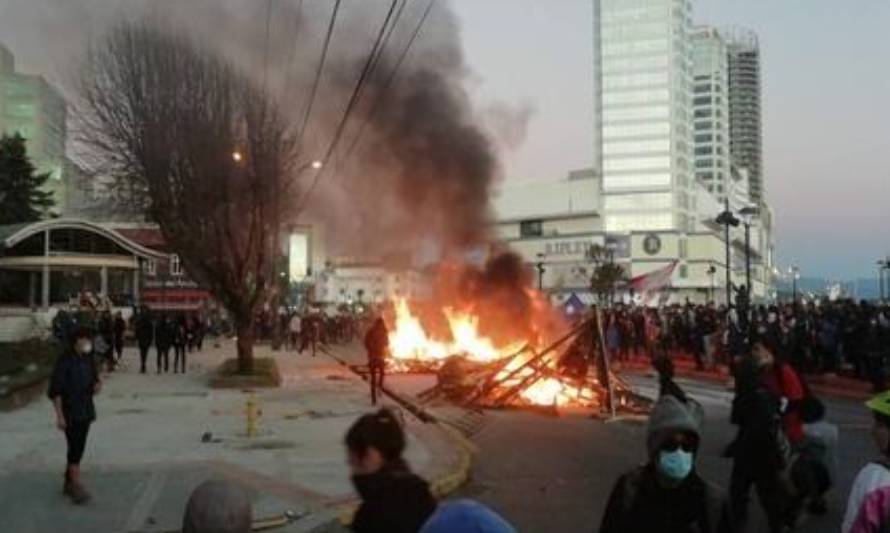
pixel 674 445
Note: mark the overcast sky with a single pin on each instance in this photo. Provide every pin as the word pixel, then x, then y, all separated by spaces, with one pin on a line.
pixel 826 85
pixel 825 103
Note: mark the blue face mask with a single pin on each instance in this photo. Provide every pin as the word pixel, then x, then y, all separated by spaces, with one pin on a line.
pixel 675 465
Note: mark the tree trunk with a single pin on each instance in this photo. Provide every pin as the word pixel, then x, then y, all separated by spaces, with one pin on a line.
pixel 244 331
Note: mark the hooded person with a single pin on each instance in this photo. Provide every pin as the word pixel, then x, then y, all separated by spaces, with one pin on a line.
pixel 666 494
pixel 868 507
pixel 218 507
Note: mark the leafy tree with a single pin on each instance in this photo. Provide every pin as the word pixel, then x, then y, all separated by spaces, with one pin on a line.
pixel 21 196
pixel 607 275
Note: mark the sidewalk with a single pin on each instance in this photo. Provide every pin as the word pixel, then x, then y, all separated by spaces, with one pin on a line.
pixel 145 455
pixel 830 386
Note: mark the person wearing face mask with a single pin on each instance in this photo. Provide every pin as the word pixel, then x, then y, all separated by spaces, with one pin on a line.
pixel 75 379
pixel 667 494
pixel 394 499
pixel 868 507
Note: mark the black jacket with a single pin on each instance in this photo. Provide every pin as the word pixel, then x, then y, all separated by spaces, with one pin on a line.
pixel 144 331
pixel 639 503
pixel 394 500
pixel 74 379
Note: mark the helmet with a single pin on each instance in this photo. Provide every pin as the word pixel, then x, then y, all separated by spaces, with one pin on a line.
pixel 880 403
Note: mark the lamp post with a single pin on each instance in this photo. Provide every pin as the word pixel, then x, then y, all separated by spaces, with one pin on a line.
pixel 541 270
pixel 795 275
pixel 712 271
pixel 611 247
pixel 727 219
pixel 883 264
pixel 748 214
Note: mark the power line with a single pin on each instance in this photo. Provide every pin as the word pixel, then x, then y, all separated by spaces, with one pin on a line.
pixel 352 102
pixel 318 71
pixel 381 97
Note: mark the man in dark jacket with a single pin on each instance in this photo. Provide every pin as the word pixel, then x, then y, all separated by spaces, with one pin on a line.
pixel 120 331
pixel 163 340
pixel 144 336
pixel 757 458
pixel 667 494
pixel 377 346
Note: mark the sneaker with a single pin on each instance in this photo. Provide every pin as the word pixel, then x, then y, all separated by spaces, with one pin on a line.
pixel 78 494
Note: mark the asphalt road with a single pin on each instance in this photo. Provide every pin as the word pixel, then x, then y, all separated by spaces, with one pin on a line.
pixel 554 474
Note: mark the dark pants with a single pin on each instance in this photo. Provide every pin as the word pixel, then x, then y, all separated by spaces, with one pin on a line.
pixel 119 348
pixel 163 359
pixel 179 358
pixel 376 374
pixel 771 492
pixel 143 356
pixel 76 435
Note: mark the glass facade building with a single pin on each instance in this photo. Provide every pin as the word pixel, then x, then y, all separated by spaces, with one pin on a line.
pixel 744 109
pixel 643 83
pixel 710 104
pixel 32 108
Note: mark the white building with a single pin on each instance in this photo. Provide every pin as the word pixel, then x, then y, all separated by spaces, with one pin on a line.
pixel 711 112
pixel 643 81
pixel 346 281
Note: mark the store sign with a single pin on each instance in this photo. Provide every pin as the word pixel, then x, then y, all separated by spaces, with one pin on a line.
pixel 652 244
pixel 567 248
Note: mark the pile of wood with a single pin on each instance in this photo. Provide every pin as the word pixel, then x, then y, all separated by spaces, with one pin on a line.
pixel 577 363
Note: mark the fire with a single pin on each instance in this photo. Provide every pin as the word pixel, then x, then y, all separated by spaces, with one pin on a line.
pixel 409 341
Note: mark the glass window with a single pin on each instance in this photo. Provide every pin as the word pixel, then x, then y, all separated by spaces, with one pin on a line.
pixel 636 113
pixel 531 228
pixel 704 163
pixel 684 270
pixel 635 80
pixel 706 176
pixel 637 163
pixel 151 267
pixel 703 126
pixel 633 181
pixel 637 147
pixel 703 138
pixel 175 265
pixel 636 97
pixel 704 150
pixel 703 113
pixel 635 47
pixel 612 64
pixel 636 130
pixel 701 100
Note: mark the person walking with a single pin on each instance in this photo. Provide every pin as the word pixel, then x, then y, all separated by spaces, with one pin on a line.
pixel 377 346
pixel 163 340
pixel 120 331
pixel 667 494
pixel 144 336
pixel 758 459
pixel 294 327
pixel 868 507
pixel 393 498
pixel 179 340
pixel 74 382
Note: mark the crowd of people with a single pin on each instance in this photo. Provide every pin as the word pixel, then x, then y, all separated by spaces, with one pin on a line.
pixel 834 337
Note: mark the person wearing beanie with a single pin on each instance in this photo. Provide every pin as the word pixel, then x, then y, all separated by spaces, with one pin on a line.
pixel 218 507
pixel 666 494
pixel 75 379
pixel 466 516
pixel 394 499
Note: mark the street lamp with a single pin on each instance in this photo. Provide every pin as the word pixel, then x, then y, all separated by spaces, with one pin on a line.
pixel 795 275
pixel 237 156
pixel 748 214
pixel 541 270
pixel 727 219
pixel 883 264
pixel 712 271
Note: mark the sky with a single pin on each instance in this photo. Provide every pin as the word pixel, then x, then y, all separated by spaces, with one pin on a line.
pixel 826 120
pixel 826 117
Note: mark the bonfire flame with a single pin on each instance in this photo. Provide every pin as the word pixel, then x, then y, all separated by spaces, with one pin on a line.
pixel 409 341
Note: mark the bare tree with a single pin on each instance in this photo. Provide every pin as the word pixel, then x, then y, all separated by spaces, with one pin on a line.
pixel 183 131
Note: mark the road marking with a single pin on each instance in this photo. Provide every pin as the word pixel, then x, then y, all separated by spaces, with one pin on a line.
pixel 141 510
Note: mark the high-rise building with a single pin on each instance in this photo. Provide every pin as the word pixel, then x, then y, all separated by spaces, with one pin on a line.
pixel 644 99
pixel 710 103
pixel 32 108
pixel 744 108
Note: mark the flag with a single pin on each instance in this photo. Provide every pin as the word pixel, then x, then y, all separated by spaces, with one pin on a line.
pixel 653 282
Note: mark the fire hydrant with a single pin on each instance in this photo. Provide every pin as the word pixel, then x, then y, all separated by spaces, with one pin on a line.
pixel 254 412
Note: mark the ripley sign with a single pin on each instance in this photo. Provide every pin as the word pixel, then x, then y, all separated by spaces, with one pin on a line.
pixel 567 248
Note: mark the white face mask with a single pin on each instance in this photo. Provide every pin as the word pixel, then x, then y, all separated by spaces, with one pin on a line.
pixel 84 346
pixel 771 317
